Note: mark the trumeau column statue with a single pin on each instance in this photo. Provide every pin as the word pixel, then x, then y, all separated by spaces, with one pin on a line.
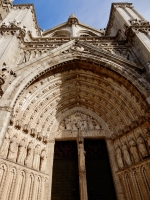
pixel 82 169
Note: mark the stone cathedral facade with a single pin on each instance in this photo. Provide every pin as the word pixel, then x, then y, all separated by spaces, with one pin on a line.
pixel 74 107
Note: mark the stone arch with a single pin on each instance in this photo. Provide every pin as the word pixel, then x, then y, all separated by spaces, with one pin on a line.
pixel 3 173
pixel 10 185
pixel 20 186
pixel 35 71
pixel 129 186
pixel 112 95
pixel 106 89
pixel 145 176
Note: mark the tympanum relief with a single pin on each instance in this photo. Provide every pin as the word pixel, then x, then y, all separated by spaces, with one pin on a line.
pixel 80 121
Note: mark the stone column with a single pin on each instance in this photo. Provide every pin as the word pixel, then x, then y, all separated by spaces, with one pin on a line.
pixel 82 168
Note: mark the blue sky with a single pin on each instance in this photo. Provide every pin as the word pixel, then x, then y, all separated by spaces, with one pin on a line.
pixel 94 13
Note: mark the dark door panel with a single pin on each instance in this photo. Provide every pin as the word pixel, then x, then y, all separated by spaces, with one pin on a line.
pixel 99 178
pixel 65 182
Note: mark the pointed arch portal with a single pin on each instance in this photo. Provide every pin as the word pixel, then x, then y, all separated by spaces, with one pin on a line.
pixel 82 101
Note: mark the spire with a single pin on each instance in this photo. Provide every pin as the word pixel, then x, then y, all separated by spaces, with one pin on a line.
pixel 72 20
pixel 72 16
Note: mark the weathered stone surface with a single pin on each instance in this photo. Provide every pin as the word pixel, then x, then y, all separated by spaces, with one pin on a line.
pixel 73 82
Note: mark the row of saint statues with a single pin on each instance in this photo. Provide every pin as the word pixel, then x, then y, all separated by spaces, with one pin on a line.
pixel 134 152
pixel 28 155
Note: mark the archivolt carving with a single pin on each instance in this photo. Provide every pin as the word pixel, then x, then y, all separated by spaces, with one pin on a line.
pixel 56 97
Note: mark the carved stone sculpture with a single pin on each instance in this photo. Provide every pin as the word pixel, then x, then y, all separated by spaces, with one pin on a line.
pixel 43 160
pixel 119 158
pixel 36 159
pixel 4 149
pixel 13 149
pixel 134 151
pixel 74 125
pixel 67 123
pixel 29 158
pixel 82 172
pixel 79 121
pixel 81 157
pixel 22 151
pixel 126 155
pixel 142 147
pixel 90 123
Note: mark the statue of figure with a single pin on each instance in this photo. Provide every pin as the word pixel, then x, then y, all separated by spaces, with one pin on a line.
pixel 74 125
pixel 134 151
pixel 79 124
pixel 68 123
pixel 97 127
pixel 36 159
pixel 13 149
pixel 62 125
pixel 43 160
pixel 4 149
pixel 29 158
pixel 22 151
pixel 119 158
pixel 85 124
pixel 26 56
pixel 126 155
pixel 142 147
pixel 81 158
pixel 90 123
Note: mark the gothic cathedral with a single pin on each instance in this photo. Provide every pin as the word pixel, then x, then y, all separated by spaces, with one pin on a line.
pixel 74 107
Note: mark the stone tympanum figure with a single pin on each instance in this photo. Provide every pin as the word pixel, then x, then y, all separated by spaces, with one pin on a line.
pixel 142 147
pixel 134 151
pixel 126 155
pixel 74 125
pixel 29 157
pixel 90 123
pixel 43 160
pixel 5 146
pixel 68 124
pixel 13 149
pixel 85 124
pixel 119 158
pixel 36 159
pixel 22 151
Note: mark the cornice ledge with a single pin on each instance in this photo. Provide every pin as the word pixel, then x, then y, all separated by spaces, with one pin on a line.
pixel 51 54
pixel 114 58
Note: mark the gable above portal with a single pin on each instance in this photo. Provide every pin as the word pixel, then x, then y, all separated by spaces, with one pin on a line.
pixel 72 28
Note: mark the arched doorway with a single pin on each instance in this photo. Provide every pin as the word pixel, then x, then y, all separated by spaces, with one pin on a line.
pixel 110 98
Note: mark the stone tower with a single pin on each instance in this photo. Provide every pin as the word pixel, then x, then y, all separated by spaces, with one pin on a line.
pixel 73 83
